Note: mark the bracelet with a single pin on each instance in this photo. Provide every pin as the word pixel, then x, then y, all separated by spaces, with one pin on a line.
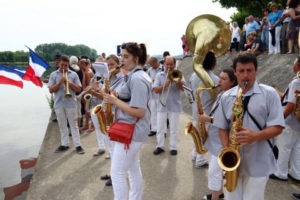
pixel 211 120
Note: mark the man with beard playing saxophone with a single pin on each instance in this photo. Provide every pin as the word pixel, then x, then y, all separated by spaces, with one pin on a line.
pixel 264 107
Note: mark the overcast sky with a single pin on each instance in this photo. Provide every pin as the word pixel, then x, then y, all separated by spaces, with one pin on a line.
pixel 101 24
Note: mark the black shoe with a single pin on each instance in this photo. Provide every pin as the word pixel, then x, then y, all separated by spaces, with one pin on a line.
pixel 105 177
pixel 158 151
pixel 209 196
pixel 70 135
pixel 273 176
pixel 54 120
pixel 61 148
pixel 152 133
pixel 296 196
pixel 293 179
pixel 109 182
pixel 80 150
pixel 173 152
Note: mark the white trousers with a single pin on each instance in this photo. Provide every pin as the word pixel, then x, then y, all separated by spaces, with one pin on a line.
pixel 65 115
pixel 123 162
pixel 162 128
pixel 248 188
pixel 215 174
pixel 289 153
pixel 276 48
pixel 199 158
pixel 101 138
pixel 153 108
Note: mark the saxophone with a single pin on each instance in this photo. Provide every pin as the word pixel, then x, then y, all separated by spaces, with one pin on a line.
pixel 104 111
pixel 200 137
pixel 229 158
pixel 297 106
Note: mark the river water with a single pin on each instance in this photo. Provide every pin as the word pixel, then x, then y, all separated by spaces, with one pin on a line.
pixel 24 118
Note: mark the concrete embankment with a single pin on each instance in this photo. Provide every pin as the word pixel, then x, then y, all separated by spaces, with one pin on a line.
pixel 68 175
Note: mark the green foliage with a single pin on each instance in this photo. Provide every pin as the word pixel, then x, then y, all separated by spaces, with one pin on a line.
pixel 246 8
pixel 47 52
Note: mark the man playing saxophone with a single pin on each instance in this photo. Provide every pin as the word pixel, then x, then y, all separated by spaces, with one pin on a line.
pixel 209 64
pixel 262 120
pixel 66 108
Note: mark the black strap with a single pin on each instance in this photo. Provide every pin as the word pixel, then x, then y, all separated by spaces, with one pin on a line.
pixel 282 98
pixel 245 105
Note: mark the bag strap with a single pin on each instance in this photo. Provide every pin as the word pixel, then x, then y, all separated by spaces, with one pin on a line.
pixel 282 98
pixel 245 105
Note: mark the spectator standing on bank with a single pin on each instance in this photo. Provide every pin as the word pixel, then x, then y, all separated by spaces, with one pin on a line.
pixel 285 22
pixel 235 37
pixel 294 24
pixel 264 27
pixel 275 29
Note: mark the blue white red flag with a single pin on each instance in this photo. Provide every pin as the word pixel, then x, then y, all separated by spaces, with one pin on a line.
pixel 10 77
pixel 37 66
pixel 19 69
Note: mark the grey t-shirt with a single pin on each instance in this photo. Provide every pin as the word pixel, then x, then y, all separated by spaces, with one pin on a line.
pixel 205 96
pixel 174 99
pixel 60 101
pixel 213 143
pixel 138 89
pixel 291 120
pixel 257 159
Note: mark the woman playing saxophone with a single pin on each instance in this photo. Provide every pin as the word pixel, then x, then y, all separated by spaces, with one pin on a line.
pixel 227 80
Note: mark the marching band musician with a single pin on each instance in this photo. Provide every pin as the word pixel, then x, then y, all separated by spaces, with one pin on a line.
pixel 66 108
pixel 172 109
pixel 209 64
pixel 85 65
pixel 156 67
pixel 131 105
pixel 257 158
pixel 116 79
pixel 227 80
pixel 289 141
pixel 96 83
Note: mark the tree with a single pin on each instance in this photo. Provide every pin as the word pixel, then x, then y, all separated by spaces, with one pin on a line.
pixel 246 7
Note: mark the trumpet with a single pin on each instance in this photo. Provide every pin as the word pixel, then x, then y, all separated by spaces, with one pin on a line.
pixel 66 85
pixel 174 76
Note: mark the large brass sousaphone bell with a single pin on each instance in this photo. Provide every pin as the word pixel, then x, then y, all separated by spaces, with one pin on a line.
pixel 207 33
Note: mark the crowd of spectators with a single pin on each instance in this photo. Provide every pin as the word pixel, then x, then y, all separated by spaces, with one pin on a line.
pixel 276 32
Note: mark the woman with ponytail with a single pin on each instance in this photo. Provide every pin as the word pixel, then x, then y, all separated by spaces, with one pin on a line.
pixel 131 102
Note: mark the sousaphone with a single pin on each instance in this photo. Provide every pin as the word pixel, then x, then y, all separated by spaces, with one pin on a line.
pixel 207 33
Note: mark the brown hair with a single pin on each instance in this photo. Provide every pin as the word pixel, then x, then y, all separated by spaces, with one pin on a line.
pixel 230 73
pixel 114 57
pixel 137 50
pixel 65 58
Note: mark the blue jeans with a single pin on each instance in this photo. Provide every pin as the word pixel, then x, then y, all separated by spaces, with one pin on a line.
pixel 265 38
